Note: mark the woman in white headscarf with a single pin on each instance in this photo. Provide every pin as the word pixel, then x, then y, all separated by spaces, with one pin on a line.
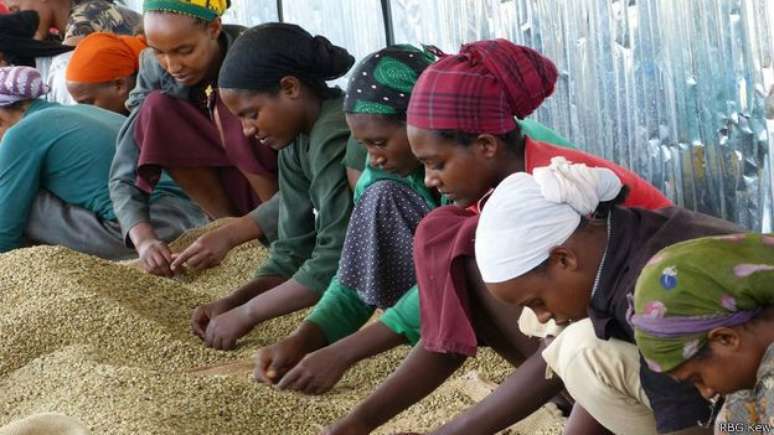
pixel 556 242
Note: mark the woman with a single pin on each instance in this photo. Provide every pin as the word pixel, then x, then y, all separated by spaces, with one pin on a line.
pixel 283 100
pixel 703 315
pixel 569 256
pixel 103 70
pixel 53 187
pixel 209 156
pixel 74 19
pixel 469 142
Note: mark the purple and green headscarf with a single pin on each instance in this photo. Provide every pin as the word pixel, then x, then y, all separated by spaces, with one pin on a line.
pixel 690 288
pixel 20 83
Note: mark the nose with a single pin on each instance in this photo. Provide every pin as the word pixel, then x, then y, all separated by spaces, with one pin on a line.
pixel 431 179
pixel 543 316
pixel 173 67
pixel 705 391
pixel 248 129
pixel 377 160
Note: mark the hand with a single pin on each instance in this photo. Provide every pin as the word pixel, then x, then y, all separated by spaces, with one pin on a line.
pixel 272 362
pixel 203 314
pixel 207 251
pixel 155 257
pixel 347 426
pixel 225 329
pixel 317 372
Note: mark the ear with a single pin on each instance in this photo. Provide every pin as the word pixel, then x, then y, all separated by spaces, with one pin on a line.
pixel 725 339
pixel 121 84
pixel 487 145
pixel 563 258
pixel 290 86
pixel 214 28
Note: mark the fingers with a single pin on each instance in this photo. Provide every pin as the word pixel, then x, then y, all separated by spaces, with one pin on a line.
pixel 182 257
pixel 199 261
pixel 199 322
pixel 263 371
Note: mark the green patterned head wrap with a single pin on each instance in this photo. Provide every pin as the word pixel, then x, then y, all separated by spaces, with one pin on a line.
pixel 206 10
pixel 690 288
pixel 381 83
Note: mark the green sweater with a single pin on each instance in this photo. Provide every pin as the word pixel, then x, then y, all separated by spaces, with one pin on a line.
pixel 341 312
pixel 315 202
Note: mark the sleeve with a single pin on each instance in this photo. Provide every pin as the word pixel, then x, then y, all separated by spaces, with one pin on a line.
pixel 296 227
pixel 266 216
pixel 676 405
pixel 330 192
pixel 340 312
pixel 129 202
pixel 356 155
pixel 403 317
pixel 20 168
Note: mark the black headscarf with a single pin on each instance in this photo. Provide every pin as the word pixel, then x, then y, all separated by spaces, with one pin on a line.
pixel 264 54
pixel 17 43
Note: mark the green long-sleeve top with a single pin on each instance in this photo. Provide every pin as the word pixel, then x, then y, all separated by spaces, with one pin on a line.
pixel 341 311
pixel 315 202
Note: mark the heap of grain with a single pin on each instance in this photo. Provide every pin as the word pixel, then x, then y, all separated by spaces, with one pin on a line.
pixel 111 346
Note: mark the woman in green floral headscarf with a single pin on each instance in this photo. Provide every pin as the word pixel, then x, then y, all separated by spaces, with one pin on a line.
pixel 703 313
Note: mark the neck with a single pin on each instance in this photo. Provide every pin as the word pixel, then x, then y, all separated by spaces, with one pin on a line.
pixel 212 74
pixel 311 114
pixel 512 163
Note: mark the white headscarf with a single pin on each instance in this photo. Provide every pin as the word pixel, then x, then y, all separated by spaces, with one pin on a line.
pixel 527 215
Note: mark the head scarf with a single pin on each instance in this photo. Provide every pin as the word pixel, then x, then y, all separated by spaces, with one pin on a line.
pixel 527 215
pixel 264 54
pixel 381 83
pixel 482 88
pixel 3 8
pixel 207 10
pixel 102 57
pixel 20 83
pixel 690 288
pixel 17 43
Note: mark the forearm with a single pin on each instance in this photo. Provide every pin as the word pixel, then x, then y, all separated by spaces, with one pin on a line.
pixel 254 288
pixel 419 375
pixel 369 341
pixel 288 297
pixel 141 233
pixel 240 230
pixel 521 394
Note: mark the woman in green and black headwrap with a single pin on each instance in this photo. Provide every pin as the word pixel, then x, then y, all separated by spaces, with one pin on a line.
pixel 376 269
pixel 703 314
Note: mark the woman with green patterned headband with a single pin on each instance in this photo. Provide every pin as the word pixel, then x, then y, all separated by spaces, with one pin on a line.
pixel 703 314
pixel 180 128
pixel 376 268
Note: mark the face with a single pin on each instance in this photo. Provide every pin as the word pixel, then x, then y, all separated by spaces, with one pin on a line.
pixel 186 49
pixel 109 96
pixel 45 11
pixel 9 118
pixel 709 370
pixel 386 141
pixel 464 173
pixel 559 290
pixel 274 119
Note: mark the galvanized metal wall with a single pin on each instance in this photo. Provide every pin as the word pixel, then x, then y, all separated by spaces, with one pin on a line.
pixel 674 89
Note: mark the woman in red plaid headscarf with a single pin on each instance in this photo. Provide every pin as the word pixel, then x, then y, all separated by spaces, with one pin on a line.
pixel 466 125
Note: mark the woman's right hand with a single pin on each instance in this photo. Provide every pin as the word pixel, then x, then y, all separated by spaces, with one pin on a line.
pixel 207 251
pixel 347 426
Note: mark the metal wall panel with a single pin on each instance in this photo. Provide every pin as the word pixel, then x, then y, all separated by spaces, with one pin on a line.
pixel 672 89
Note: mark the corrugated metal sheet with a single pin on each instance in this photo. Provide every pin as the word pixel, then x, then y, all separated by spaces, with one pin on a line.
pixel 672 89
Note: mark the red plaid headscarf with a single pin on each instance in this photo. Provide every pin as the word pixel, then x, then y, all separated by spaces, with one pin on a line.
pixel 482 88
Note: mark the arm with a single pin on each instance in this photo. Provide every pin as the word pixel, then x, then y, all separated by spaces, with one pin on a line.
pixel 521 394
pixel 20 167
pixel 403 317
pixel 401 390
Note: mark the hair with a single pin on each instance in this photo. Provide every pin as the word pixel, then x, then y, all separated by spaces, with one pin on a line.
pixel 513 138
pixel 18 106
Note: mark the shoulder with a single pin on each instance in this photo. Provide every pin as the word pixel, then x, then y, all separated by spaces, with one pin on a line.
pixel 331 124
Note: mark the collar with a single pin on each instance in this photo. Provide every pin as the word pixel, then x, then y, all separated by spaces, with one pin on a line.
pixel 37 105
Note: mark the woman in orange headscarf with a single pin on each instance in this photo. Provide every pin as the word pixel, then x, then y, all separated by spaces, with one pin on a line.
pixel 103 70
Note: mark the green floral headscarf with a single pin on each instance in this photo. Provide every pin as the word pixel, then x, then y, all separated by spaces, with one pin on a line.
pixel 206 10
pixel 692 287
pixel 381 83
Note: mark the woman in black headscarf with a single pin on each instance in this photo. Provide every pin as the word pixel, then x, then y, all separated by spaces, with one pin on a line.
pixel 274 79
